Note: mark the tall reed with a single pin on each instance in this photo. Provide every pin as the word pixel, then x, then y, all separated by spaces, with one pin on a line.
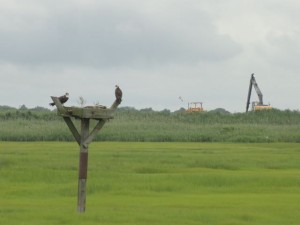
pixel 147 125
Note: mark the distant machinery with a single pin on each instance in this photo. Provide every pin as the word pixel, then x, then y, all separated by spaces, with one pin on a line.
pixel 195 107
pixel 257 105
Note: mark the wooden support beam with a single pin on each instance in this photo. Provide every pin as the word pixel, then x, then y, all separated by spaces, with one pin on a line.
pixel 97 128
pixel 73 129
pixel 83 165
pixel 115 105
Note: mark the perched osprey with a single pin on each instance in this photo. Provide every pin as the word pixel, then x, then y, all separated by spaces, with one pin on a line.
pixel 118 93
pixel 62 99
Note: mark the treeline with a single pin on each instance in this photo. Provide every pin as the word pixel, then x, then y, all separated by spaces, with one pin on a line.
pixel 10 113
pixel 130 124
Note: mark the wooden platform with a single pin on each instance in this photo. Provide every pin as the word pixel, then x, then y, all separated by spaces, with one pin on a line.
pixel 90 112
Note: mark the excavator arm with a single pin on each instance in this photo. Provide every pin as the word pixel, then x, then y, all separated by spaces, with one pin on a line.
pixel 249 94
pixel 260 95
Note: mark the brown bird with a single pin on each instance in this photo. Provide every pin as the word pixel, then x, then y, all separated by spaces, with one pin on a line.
pixel 62 99
pixel 118 93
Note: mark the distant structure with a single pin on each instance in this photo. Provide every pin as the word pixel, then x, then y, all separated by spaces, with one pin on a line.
pixel 195 107
pixel 256 105
pixel 84 137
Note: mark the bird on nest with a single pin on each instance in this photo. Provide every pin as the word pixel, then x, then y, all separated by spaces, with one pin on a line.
pixel 64 98
pixel 118 94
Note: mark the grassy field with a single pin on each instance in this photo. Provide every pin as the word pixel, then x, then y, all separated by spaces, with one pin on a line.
pixel 151 183
pixel 150 126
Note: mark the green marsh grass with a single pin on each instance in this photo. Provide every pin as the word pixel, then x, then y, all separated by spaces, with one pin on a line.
pixel 150 126
pixel 151 183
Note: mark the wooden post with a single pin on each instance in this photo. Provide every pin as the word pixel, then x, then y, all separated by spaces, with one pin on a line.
pixel 83 165
pixel 84 138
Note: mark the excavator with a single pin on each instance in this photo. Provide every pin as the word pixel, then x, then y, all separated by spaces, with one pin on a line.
pixel 256 105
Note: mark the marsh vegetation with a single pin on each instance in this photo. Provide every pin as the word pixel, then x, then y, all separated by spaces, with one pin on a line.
pixel 151 183
pixel 130 124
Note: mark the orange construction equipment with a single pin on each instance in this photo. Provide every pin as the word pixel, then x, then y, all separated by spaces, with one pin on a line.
pixel 195 107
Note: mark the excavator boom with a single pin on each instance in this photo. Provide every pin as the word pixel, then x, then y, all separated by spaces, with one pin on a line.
pixel 260 96
pixel 260 105
pixel 249 94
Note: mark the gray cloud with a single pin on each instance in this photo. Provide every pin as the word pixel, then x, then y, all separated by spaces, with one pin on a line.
pixel 106 35
pixel 155 50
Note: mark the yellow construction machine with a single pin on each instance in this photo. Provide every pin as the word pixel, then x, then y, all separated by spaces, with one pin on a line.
pixel 258 105
pixel 195 107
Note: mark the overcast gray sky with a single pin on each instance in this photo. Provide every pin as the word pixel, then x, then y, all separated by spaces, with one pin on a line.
pixel 155 50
